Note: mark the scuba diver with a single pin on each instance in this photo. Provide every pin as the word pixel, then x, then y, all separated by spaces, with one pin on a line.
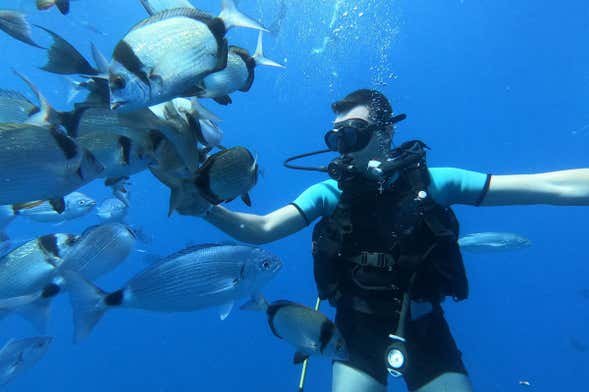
pixel 385 248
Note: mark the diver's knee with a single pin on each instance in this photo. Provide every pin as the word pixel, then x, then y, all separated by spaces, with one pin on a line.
pixel 349 379
pixel 455 382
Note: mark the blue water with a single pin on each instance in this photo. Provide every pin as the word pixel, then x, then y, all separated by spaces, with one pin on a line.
pixel 495 86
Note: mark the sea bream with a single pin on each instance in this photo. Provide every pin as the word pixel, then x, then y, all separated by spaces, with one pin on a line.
pixel 225 175
pixel 19 355
pixel 15 107
pixel 72 206
pixel 166 55
pixel 99 250
pixel 492 242
pixel 38 163
pixel 62 5
pixel 194 278
pixel 238 75
pixel 112 210
pixel 308 330
pixel 31 275
pixel 15 24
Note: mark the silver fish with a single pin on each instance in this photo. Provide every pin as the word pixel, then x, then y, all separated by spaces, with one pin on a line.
pixel 19 355
pixel 166 55
pixel 76 205
pixel 62 5
pixel 112 209
pixel 99 250
pixel 15 107
pixel 238 75
pixel 310 331
pixel 194 278
pixel 15 24
pixel 492 242
pixel 38 163
pixel 32 266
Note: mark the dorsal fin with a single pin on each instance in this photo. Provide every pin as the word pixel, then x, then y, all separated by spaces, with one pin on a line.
pixel 191 13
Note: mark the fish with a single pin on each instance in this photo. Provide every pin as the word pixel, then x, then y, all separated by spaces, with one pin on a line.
pixel 39 163
pixel 75 205
pixel 166 55
pixel 36 268
pixel 492 242
pixel 112 210
pixel 62 5
pixel 225 175
pixel 17 356
pixel 99 250
pixel 238 75
pixel 228 174
pixel 196 277
pixel 119 189
pixel 15 107
pixel 310 331
pixel 28 275
pixel 16 25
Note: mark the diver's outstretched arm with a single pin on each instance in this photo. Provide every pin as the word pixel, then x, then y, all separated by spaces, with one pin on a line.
pixel 565 187
pixel 257 229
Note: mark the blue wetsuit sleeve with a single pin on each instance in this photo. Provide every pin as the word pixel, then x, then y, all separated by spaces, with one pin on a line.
pixel 458 186
pixel 318 200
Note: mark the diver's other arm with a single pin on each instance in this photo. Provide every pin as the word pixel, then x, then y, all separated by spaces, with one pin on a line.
pixel 257 229
pixel 565 187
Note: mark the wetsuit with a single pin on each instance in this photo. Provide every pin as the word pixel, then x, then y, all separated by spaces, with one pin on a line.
pixel 431 347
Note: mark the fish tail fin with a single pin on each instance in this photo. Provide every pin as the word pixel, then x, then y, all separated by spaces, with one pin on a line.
pixel 233 18
pixel 47 115
pixel 87 303
pixel 259 55
pixel 63 6
pixel 64 59
pixel 171 182
pixel 256 303
pixel 15 24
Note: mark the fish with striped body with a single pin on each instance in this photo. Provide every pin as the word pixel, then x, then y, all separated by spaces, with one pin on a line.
pixel 15 107
pixel 195 278
pixel 19 355
pixel 167 54
pixel 38 163
pixel 31 275
pixel 310 331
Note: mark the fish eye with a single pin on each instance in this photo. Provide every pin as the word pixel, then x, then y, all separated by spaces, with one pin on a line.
pixel 117 83
pixel 266 265
pixel 82 203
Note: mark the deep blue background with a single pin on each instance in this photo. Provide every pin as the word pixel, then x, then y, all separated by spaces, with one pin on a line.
pixel 496 86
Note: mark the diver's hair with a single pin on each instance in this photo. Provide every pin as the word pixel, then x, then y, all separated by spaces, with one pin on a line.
pixel 379 108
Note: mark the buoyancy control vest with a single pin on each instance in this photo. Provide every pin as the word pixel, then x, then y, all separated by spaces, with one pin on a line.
pixel 387 239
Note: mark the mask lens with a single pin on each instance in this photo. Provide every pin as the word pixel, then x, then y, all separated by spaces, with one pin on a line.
pixel 348 136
